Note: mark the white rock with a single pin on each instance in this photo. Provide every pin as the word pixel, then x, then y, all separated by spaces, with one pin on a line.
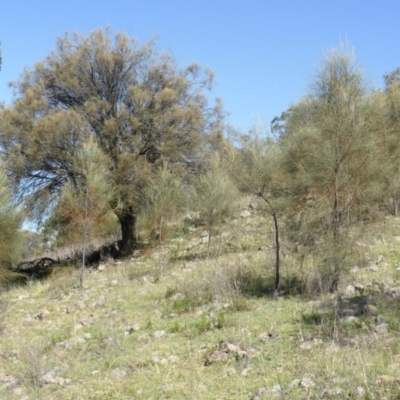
pixel 159 334
pixel 245 214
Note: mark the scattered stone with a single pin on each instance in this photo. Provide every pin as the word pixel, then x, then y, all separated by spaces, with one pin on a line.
pixel 332 393
pixel 359 391
pixel 309 344
pixel 130 329
pixel 370 309
pixel 10 381
pixel 245 371
pixel 101 267
pixel 204 234
pixel 114 282
pixel 379 319
pixel 101 302
pixel 50 377
pixel 158 334
pixel 351 319
pixel 173 359
pixel 393 293
pixel 230 371
pixel 216 356
pixel 349 290
pixel 381 328
pixel 204 240
pixel 372 268
pixel 119 373
pixel 295 383
pixel 265 336
pixel 43 314
pixel 245 214
pixel 260 393
pixel 306 383
pixel 385 379
pixel 359 287
pixel 354 270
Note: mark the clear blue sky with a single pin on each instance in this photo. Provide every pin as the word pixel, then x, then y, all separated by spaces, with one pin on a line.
pixel 264 53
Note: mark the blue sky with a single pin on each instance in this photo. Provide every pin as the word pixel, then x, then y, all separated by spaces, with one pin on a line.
pixel 264 53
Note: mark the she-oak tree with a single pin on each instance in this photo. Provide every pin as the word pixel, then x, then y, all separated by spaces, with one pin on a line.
pixel 141 109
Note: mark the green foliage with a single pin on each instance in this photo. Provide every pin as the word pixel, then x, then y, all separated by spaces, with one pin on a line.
pixel 84 207
pixel 137 105
pixel 330 158
pixel 215 195
pixel 11 240
pixel 164 197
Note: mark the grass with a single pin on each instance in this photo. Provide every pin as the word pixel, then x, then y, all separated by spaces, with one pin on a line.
pixel 135 333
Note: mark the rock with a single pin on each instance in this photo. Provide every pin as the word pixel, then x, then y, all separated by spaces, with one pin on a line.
pixel 349 320
pixel 130 329
pixel 43 314
pixel 359 391
pixel 101 267
pixel 204 234
pixel 217 356
pixel 119 373
pixel 245 214
pixel 371 309
pixel 309 345
pixel 381 328
pixel 379 319
pixel 260 394
pixel 101 302
pixel 158 334
pixel 359 287
pixel 393 293
pixel 372 268
pixel 230 371
pixel 173 359
pixel 349 290
pixel 252 351
pixel 306 383
pixel 204 240
pixel 265 336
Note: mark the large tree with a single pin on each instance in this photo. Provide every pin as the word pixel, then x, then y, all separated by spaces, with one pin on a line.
pixel 141 109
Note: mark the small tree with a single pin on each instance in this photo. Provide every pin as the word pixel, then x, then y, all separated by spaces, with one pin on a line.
pixel 256 166
pixel 11 239
pixel 214 195
pixel 164 198
pixel 83 210
pixel 330 158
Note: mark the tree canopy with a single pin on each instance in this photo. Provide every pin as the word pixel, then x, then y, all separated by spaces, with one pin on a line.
pixel 141 109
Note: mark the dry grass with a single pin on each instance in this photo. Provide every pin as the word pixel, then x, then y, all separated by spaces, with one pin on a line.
pixel 135 333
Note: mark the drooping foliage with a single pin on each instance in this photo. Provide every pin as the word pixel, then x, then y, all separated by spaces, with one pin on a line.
pixel 138 106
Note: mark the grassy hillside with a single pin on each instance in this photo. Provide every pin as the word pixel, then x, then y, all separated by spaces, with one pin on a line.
pixel 172 324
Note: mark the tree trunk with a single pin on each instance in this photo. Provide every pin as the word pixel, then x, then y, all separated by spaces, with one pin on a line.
pixel 127 221
pixel 277 253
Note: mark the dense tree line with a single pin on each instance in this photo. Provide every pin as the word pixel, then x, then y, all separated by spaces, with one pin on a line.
pixel 106 130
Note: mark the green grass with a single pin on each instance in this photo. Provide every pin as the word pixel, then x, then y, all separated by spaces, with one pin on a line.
pixel 180 318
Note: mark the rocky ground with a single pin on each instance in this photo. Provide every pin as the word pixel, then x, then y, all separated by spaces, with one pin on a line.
pixel 172 324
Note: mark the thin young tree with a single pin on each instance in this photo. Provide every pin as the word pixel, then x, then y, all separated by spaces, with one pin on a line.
pixel 83 210
pixel 11 237
pixel 214 195
pixel 165 196
pixel 256 167
pixel 135 102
